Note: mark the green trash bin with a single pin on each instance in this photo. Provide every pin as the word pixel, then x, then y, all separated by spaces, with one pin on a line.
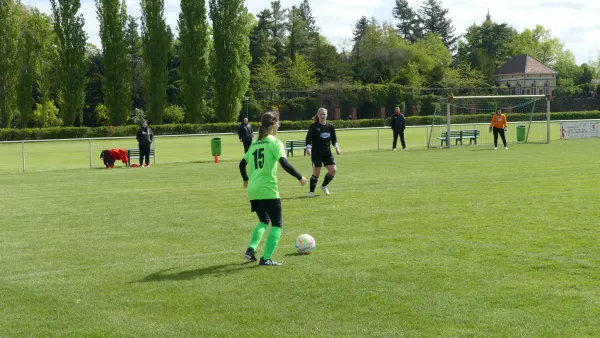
pixel 521 131
pixel 215 146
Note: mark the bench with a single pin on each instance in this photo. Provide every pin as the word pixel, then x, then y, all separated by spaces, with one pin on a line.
pixel 134 154
pixel 290 146
pixel 460 135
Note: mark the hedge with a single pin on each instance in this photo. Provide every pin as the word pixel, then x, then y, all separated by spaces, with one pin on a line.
pixel 180 129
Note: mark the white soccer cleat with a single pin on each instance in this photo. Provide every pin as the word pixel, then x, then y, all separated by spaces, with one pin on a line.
pixel 325 190
pixel 495 148
pixel 311 194
pixel 506 148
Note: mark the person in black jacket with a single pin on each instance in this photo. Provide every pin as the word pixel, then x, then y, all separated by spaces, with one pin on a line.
pixel 245 134
pixel 320 137
pixel 145 137
pixel 398 123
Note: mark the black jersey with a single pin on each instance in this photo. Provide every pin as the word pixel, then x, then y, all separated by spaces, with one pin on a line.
pixel 320 137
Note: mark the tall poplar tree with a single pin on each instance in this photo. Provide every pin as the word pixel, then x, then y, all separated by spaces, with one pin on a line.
pixel 71 41
pixel 155 41
pixel 231 31
pixel 193 34
pixel 116 84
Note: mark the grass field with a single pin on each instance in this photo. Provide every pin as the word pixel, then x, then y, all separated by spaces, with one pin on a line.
pixel 459 242
pixel 75 154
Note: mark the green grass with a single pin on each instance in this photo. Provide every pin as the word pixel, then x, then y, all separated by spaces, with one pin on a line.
pixel 460 242
pixel 75 154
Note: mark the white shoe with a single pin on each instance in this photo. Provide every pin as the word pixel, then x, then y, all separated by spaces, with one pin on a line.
pixel 311 194
pixel 506 148
pixel 394 149
pixel 325 190
pixel 404 148
pixel 495 148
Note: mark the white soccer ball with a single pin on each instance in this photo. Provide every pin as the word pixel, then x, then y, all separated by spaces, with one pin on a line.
pixel 305 244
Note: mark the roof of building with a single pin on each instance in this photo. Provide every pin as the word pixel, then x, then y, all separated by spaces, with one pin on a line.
pixel 524 64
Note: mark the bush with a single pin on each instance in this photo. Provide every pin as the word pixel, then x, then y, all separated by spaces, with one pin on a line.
pixel 136 116
pixel 173 114
pixel 102 118
pixel 179 129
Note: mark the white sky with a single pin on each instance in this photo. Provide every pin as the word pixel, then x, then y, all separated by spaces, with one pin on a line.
pixel 573 22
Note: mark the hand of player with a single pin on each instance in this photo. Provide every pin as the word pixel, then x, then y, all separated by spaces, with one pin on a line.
pixel 245 184
pixel 505 128
pixel 337 150
pixel 303 181
pixel 308 151
pixel 490 129
pixel 240 140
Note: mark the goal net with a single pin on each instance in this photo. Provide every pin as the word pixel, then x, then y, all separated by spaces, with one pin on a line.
pixel 466 120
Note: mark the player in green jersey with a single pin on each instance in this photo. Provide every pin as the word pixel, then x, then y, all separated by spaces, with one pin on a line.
pixel 262 158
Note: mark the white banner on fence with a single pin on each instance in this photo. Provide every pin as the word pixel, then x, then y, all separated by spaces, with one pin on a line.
pixel 572 130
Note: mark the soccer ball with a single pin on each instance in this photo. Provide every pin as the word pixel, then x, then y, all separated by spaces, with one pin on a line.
pixel 305 244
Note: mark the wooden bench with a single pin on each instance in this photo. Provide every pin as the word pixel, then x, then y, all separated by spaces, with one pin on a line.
pixel 290 146
pixel 460 135
pixel 134 154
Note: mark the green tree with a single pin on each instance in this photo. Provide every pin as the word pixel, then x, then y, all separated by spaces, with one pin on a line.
pixel 266 76
pixel 71 42
pixel 278 29
pixel 261 43
pixel 300 74
pixel 307 16
pixel 486 46
pixel 539 43
pixel 329 64
pixel 435 20
pixel 9 70
pixel 231 32
pixel 45 67
pixel 155 42
pixel 30 49
pixel 116 84
pixel 409 23
pixel 463 76
pixel 587 74
pixel 298 36
pixel 193 34
pixel 133 43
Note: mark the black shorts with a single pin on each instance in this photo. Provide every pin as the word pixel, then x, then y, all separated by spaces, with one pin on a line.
pixel 320 159
pixel 268 211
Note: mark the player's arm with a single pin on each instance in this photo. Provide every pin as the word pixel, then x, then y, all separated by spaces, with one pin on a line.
pixel 243 172
pixel 289 168
pixel 309 139
pixel 334 140
pixel 286 165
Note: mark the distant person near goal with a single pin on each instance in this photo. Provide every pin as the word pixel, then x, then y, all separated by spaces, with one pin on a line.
pixel 498 126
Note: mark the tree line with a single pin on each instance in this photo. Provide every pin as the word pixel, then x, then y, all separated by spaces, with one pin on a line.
pixel 222 55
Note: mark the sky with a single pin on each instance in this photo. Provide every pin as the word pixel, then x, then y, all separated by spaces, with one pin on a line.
pixel 574 22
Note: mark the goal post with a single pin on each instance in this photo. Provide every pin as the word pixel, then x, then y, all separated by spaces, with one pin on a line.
pixel 466 120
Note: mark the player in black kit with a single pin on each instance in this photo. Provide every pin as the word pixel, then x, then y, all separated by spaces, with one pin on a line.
pixel 319 138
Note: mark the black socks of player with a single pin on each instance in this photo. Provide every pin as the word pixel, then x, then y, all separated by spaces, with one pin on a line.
pixel 328 179
pixel 313 183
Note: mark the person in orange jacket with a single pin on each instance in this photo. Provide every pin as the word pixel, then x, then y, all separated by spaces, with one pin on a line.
pixel 498 126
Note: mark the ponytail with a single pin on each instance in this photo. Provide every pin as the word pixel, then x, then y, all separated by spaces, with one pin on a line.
pixel 267 123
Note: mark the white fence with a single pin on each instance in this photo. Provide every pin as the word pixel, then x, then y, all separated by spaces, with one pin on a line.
pixel 40 155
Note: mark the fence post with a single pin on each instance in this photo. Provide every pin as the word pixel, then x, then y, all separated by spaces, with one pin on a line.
pixel 90 143
pixel 23 154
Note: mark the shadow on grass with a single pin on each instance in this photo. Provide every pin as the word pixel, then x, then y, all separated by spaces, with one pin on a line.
pixel 298 197
pixel 215 270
